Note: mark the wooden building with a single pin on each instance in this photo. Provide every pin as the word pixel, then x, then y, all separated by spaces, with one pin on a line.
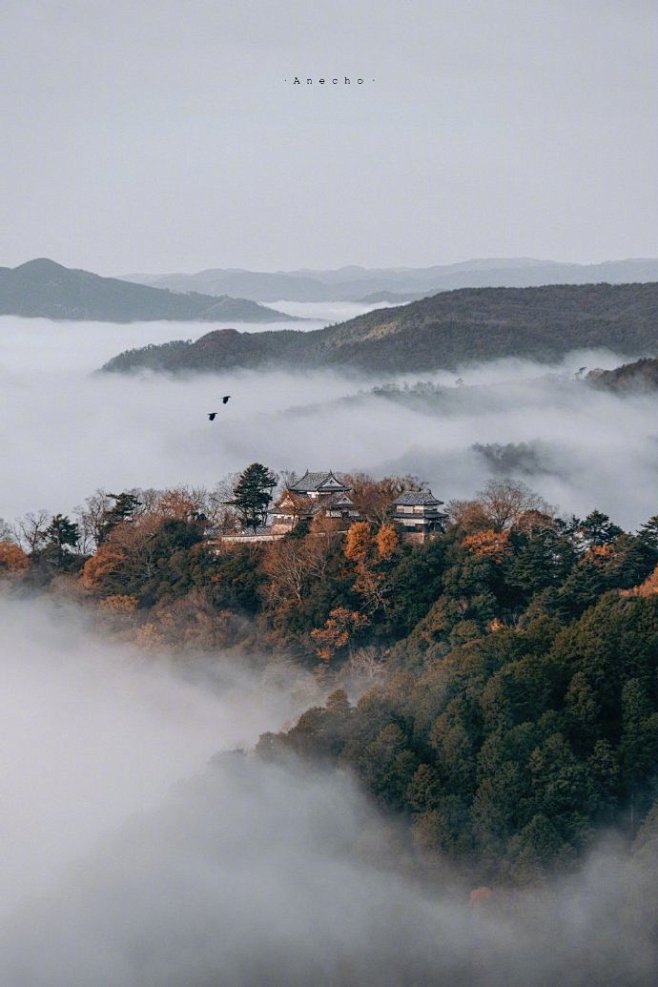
pixel 417 514
pixel 310 495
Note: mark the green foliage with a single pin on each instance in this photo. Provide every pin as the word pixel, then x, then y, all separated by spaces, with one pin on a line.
pixel 440 331
pixel 126 506
pixel 515 747
pixel 58 545
pixel 519 710
pixel 61 535
pixel 542 558
pixel 236 578
pixel 597 529
pixel 252 494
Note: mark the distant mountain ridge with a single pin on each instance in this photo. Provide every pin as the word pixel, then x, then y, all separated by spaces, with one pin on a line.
pixel 43 288
pixel 438 332
pixel 399 284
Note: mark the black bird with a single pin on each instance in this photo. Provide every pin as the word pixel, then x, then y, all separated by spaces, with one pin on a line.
pixel 213 414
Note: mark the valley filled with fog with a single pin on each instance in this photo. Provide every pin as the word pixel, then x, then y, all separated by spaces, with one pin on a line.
pixel 127 860
pixel 67 431
pixel 130 860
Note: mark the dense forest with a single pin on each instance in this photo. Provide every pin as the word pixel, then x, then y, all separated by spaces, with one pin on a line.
pixel 496 687
pixel 438 332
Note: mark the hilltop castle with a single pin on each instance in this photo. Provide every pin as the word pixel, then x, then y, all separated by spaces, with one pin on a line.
pixel 415 513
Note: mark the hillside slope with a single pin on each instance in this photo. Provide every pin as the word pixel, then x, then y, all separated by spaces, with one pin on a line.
pixel 641 376
pixel 49 290
pixel 438 332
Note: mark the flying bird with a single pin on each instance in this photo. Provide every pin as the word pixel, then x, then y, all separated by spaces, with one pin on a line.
pixel 213 414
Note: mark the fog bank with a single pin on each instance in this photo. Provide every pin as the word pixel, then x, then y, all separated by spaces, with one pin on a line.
pixel 93 733
pixel 136 854
pixel 67 431
pixel 255 873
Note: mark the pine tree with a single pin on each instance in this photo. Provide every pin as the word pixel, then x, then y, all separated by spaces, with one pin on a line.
pixel 252 494
pixel 62 537
pixel 126 506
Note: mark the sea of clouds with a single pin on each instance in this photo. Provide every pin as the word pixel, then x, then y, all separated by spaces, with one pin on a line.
pixel 131 855
pixel 67 431
pixel 136 854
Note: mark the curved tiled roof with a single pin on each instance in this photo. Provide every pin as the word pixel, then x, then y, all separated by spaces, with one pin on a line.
pixel 327 480
pixel 415 498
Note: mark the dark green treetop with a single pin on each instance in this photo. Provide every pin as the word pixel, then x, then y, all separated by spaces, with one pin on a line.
pixel 252 494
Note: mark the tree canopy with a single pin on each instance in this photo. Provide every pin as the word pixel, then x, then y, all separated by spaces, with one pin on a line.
pixel 252 494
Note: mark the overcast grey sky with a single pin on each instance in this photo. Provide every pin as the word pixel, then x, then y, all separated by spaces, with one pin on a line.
pixel 160 135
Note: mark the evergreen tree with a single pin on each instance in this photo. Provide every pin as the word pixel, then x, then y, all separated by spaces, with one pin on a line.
pixel 597 529
pixel 61 537
pixel 252 494
pixel 125 506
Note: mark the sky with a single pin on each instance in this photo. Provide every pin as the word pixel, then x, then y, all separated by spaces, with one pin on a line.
pixel 169 135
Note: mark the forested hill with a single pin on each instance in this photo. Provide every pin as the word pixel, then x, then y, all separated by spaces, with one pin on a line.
pixel 438 332
pixel 639 376
pixel 507 668
pixel 43 288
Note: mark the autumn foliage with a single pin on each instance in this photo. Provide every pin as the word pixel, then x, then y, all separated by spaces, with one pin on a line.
pixel 648 588
pixel 387 541
pixel 510 661
pixel 338 631
pixel 488 544
pixel 358 542
pixel 12 558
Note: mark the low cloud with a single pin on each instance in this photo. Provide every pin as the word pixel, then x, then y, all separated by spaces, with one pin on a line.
pixel 93 733
pixel 139 849
pixel 254 873
pixel 67 431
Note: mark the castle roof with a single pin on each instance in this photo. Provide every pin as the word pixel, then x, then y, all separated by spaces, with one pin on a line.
pixel 322 482
pixel 416 498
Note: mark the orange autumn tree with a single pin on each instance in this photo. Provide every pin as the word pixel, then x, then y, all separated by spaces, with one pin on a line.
pixel 126 556
pixel 387 541
pixel 118 605
pixel 13 559
pixel 102 572
pixel 488 544
pixel 362 547
pixel 358 542
pixel 338 631
pixel 181 503
pixel 648 588
pixel 366 550
pixel 292 564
